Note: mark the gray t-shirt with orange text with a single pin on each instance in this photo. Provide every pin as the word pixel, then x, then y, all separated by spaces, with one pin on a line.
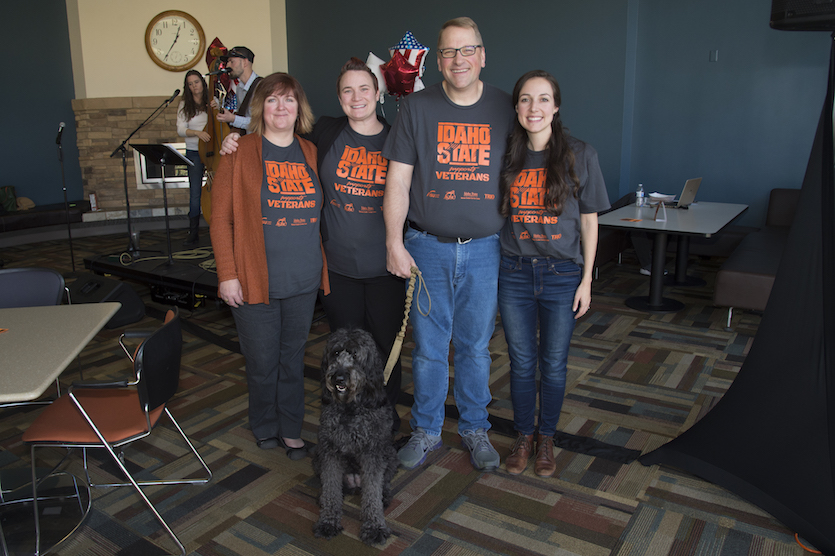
pixel 457 154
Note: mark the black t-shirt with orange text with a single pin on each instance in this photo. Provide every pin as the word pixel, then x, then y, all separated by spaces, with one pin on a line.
pixel 291 202
pixel 353 175
pixel 457 153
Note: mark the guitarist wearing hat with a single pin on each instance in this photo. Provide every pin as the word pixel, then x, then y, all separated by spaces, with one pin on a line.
pixel 239 61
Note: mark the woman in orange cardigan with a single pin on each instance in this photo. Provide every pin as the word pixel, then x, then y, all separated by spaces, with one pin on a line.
pixel 266 203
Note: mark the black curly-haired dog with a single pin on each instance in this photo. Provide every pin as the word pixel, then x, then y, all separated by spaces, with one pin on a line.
pixel 355 449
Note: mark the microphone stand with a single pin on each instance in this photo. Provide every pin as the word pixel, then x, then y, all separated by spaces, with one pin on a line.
pixel 133 250
pixel 66 203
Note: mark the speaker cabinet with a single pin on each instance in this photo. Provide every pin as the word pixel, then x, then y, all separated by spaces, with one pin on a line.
pixel 90 288
pixel 803 15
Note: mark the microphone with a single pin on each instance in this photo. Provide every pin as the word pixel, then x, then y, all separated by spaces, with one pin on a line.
pixel 60 132
pixel 218 72
pixel 177 92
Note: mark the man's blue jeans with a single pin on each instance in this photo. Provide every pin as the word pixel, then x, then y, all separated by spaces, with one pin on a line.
pixel 462 281
pixel 535 291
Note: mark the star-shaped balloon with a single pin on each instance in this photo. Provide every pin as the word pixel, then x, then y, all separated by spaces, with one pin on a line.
pixel 401 75
pixel 414 53
pixel 375 64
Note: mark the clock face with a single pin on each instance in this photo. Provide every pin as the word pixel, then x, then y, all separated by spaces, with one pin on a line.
pixel 175 41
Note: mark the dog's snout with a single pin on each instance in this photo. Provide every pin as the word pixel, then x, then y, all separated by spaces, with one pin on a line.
pixel 340 381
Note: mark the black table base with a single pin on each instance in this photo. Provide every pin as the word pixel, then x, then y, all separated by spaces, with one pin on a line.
pixel 655 302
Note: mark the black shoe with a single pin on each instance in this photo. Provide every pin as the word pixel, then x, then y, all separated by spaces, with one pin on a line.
pixel 294 454
pixel 268 443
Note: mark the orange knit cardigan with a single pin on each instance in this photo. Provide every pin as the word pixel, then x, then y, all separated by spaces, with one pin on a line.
pixel 236 228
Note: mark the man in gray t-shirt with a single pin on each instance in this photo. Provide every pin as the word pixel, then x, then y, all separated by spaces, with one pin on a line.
pixel 445 154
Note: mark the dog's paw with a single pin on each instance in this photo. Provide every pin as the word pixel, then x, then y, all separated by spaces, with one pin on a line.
pixel 374 534
pixel 326 529
pixel 353 480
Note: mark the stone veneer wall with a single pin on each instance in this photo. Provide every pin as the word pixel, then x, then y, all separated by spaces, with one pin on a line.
pixel 101 125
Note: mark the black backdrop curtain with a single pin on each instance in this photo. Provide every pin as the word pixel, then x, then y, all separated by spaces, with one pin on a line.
pixel 771 439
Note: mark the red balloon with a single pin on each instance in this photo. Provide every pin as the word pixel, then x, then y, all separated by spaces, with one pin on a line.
pixel 400 75
pixel 213 54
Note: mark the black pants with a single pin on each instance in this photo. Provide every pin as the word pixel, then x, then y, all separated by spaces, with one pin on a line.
pixel 272 338
pixel 373 304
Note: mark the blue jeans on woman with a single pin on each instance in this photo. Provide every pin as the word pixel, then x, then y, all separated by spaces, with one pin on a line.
pixel 195 183
pixel 537 290
pixel 461 280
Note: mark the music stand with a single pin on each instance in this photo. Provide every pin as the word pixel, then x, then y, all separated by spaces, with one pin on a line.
pixel 164 155
pixel 133 248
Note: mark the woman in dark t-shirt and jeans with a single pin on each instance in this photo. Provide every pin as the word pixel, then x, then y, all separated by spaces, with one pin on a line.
pixel 552 189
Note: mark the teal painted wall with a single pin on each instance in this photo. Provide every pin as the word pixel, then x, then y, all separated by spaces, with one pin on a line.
pixel 745 123
pixel 635 75
pixel 39 93
pixel 581 43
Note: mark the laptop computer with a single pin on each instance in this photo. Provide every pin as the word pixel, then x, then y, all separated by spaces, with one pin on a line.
pixel 688 193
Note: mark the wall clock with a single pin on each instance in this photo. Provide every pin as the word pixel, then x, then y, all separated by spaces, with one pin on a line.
pixel 175 40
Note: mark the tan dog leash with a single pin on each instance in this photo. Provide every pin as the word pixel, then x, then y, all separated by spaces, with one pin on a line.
pixel 398 342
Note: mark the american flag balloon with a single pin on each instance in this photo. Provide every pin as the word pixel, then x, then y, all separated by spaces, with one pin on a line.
pixel 414 52
pixel 406 66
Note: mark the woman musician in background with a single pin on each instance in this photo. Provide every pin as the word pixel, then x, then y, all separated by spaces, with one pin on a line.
pixel 192 117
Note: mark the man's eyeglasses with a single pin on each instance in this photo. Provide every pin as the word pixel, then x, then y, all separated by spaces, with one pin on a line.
pixel 464 50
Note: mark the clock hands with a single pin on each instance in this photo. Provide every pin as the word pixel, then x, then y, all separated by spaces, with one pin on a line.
pixel 176 38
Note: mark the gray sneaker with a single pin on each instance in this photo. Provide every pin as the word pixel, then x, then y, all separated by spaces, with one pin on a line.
pixel 482 454
pixel 414 452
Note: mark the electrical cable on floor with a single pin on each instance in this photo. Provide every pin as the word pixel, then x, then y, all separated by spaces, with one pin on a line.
pixel 186 255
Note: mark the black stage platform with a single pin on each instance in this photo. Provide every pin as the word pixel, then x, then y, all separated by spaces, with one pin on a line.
pixel 187 282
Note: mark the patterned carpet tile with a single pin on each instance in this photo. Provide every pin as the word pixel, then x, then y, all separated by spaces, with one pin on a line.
pixel 683 515
pixel 635 381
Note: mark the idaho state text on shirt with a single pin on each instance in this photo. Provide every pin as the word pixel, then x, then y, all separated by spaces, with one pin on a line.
pixel 527 198
pixel 464 149
pixel 292 185
pixel 362 173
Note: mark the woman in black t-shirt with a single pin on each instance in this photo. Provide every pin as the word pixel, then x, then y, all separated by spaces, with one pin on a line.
pixel 363 294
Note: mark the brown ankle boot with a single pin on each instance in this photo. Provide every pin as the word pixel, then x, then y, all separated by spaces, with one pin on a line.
pixel 545 464
pixel 517 461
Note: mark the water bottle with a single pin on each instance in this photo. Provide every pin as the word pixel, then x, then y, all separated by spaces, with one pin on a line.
pixel 640 200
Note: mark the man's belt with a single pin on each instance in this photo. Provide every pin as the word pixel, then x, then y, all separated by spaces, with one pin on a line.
pixel 442 239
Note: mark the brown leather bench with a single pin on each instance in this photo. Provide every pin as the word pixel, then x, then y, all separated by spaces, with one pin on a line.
pixel 745 279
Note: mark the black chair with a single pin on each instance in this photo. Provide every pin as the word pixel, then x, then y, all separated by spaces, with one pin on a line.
pixel 30 287
pixel 115 414
pixel 27 287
